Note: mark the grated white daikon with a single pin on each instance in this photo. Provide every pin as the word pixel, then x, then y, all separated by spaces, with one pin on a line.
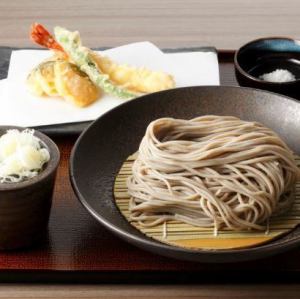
pixel 22 156
pixel 278 76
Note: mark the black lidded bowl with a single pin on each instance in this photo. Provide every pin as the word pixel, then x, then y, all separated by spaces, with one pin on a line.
pixel 265 55
pixel 25 206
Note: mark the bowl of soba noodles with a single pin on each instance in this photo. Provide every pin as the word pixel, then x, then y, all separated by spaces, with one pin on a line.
pixel 208 174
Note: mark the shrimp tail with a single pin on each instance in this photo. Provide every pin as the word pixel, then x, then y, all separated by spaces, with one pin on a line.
pixel 41 36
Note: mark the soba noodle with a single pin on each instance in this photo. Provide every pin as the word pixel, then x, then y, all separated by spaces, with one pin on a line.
pixel 211 171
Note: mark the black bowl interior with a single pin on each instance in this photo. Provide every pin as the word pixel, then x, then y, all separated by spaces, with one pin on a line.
pixel 266 55
pixel 102 148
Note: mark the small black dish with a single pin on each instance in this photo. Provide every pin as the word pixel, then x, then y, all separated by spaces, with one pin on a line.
pixel 25 206
pixel 102 148
pixel 266 55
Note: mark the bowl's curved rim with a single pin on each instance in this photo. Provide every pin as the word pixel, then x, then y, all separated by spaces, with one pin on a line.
pixel 152 245
pixel 255 79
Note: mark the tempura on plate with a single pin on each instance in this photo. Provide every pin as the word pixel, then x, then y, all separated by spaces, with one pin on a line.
pixel 78 74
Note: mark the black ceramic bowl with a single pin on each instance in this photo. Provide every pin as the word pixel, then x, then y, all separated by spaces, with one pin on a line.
pixel 101 150
pixel 25 206
pixel 265 55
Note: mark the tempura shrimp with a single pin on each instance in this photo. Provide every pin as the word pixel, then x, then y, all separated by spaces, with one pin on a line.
pixel 40 35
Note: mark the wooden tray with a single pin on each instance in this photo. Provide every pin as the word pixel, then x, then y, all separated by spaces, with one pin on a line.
pixel 78 248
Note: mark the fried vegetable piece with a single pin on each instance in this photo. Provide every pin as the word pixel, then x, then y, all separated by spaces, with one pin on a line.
pixel 40 81
pixel 74 85
pixel 59 77
pixel 136 79
pixel 45 76
pixel 81 56
pixel 33 85
pixel 119 80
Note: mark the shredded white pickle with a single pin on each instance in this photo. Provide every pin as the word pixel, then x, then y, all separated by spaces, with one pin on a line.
pixel 22 156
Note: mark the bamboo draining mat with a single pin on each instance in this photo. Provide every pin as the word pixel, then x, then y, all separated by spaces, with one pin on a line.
pixel 188 236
